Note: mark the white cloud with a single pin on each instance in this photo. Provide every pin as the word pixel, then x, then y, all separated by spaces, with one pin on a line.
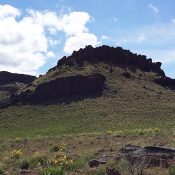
pixel 166 56
pixel 122 41
pixel 8 11
pixel 50 54
pixel 53 42
pixel 75 23
pixel 141 38
pixel 154 36
pixel 115 19
pixel 156 41
pixel 79 41
pixel 25 42
pixel 153 8
pixel 173 21
pixel 104 37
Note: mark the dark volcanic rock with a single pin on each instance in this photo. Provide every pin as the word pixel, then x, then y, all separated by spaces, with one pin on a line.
pixel 129 148
pixel 165 81
pixel 64 87
pixel 7 77
pixel 157 149
pixel 112 171
pixel 127 75
pixel 150 155
pixel 94 163
pixel 111 56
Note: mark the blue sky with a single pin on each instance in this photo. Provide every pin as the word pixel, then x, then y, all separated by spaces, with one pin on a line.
pixel 36 33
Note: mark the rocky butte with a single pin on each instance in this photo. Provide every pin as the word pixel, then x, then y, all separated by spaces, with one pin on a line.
pixel 112 56
pixel 63 85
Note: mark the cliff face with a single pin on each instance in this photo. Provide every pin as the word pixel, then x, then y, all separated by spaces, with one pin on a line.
pixel 7 77
pixel 64 87
pixel 112 56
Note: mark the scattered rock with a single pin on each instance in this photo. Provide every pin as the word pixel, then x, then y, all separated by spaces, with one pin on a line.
pixel 95 163
pixel 151 156
pixel 129 148
pixel 112 171
pixel 127 75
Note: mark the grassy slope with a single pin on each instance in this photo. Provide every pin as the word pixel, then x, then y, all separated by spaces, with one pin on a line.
pixel 126 103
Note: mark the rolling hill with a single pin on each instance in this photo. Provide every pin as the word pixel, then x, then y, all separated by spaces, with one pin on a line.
pixel 93 90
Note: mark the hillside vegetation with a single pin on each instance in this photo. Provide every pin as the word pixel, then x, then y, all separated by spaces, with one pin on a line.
pixel 130 99
pixel 126 103
pixel 90 106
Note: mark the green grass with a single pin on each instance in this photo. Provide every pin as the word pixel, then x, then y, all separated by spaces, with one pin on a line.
pixel 89 115
pixel 135 103
pixel 36 152
pixel 125 105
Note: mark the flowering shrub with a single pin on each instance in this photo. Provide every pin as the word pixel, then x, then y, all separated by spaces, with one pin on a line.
pixel 156 129
pixel 16 154
pixel 38 160
pixel 61 160
pixel 109 132
pixel 57 148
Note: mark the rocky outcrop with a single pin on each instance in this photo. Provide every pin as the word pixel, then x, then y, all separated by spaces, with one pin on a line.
pixel 111 56
pixel 150 156
pixel 7 77
pixel 165 81
pixel 64 87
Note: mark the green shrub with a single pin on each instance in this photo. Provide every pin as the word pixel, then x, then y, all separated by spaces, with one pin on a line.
pixel 97 172
pixel 38 160
pixel 122 165
pixel 53 171
pixel 100 172
pixel 171 171
pixel 24 164
pixel 77 164
pixel 2 172
pixel 55 148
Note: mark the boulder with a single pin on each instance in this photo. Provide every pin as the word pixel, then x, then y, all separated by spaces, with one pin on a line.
pixel 94 163
pixel 97 162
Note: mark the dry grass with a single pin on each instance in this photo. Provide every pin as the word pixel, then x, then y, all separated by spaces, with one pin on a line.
pixel 81 148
